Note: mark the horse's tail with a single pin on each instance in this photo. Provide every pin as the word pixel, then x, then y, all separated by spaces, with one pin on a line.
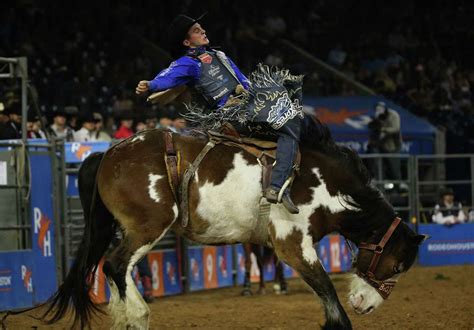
pixel 98 233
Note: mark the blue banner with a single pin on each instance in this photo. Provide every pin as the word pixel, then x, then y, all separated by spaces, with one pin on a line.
pixel 334 254
pixel 323 251
pixel 224 266
pixel 348 117
pixel 171 278
pixel 239 250
pixel 288 272
pixel 42 224
pixel 269 270
pixel 345 256
pixel 16 279
pixel 76 152
pixel 196 271
pixel 452 245
pixel 72 187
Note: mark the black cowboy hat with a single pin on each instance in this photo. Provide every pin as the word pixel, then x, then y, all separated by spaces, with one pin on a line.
pixel 60 112
pixel 177 31
pixel 88 118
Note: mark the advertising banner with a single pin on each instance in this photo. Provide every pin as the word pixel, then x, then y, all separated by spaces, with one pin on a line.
pixel 171 275
pixel 42 224
pixel 16 279
pixel 348 119
pixel 210 267
pixel 453 245
pixel 334 254
pixel 155 259
pixel 196 271
pixel 224 266
pixel 239 250
pixel 76 152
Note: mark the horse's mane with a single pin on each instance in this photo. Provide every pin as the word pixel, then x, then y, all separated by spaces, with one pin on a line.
pixel 316 136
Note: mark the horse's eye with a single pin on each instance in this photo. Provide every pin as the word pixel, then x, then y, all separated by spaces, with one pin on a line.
pixel 396 269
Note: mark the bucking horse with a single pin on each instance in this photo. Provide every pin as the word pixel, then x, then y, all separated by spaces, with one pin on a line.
pixel 128 189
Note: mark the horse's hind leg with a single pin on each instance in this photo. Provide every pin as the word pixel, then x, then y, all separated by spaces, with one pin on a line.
pixel 115 268
pixel 247 290
pixel 295 247
pixel 257 249
pixel 127 306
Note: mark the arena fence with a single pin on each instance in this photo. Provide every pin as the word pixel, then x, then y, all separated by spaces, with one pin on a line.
pixel 46 202
pixel 29 262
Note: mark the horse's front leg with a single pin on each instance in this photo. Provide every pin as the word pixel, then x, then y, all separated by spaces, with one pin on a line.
pixel 281 285
pixel 295 246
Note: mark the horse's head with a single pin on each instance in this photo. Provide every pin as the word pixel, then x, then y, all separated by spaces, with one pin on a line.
pixel 380 263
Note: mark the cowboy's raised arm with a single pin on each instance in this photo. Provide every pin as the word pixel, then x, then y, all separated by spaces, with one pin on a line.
pixel 183 71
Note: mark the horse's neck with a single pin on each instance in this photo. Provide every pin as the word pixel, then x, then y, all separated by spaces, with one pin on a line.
pixel 330 174
pixel 359 228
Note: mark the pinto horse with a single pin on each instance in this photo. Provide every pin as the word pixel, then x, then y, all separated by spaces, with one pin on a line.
pixel 132 194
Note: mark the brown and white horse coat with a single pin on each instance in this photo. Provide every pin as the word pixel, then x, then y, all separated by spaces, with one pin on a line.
pixel 331 191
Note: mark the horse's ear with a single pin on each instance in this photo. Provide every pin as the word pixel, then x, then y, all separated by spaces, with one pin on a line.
pixel 421 238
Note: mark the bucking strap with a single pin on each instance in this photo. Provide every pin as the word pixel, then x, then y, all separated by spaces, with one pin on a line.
pixel 267 165
pixel 172 160
pixel 188 174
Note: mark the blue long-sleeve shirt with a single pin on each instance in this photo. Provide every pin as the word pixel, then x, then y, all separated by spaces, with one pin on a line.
pixel 186 70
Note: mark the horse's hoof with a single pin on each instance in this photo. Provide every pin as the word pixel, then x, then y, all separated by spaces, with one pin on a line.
pixel 246 292
pixel 262 291
pixel 276 288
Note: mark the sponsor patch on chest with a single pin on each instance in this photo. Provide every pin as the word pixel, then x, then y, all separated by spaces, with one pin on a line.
pixel 205 58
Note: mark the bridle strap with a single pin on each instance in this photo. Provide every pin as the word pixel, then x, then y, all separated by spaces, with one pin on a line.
pixel 384 288
pixel 378 248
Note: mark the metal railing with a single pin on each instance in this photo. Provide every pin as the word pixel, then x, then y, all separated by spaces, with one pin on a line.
pixel 19 166
pixel 397 187
pixel 15 222
pixel 421 180
pixel 428 187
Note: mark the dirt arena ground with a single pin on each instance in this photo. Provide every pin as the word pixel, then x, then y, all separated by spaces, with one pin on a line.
pixel 426 298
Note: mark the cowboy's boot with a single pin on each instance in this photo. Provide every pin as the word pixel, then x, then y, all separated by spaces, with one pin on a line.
pixel 271 194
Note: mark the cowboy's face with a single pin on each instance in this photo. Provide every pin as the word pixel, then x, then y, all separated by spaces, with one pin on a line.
pixel 196 37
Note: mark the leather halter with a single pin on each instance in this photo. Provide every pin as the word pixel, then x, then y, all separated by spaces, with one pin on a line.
pixel 384 288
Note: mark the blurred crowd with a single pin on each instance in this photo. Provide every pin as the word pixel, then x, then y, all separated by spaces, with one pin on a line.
pixel 84 61
pixel 87 127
